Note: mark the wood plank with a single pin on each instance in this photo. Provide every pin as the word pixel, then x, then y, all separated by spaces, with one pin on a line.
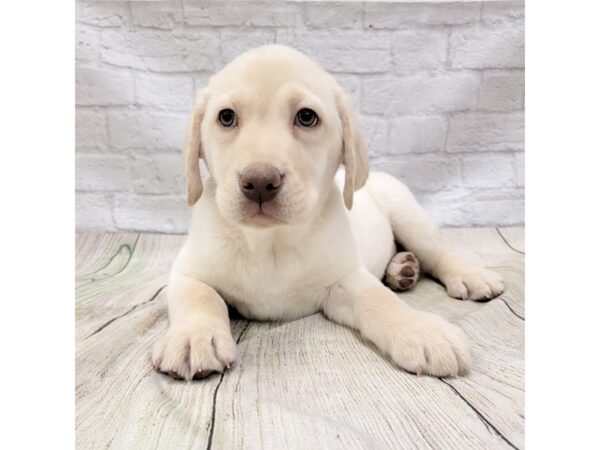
pixel 123 403
pixel 515 289
pixel 105 294
pixel 514 238
pixel 327 389
pixel 302 384
pixel 99 251
pixel 482 245
pixel 495 388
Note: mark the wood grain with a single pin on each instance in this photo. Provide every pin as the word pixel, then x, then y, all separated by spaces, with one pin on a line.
pixel 129 275
pixel 95 252
pixel 302 384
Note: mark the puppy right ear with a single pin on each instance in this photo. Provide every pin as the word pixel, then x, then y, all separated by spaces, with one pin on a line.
pixel 355 154
pixel 193 151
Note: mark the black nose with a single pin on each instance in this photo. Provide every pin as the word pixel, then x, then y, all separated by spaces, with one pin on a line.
pixel 260 182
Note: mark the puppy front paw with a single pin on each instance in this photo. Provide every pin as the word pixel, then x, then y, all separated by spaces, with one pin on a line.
pixel 428 344
pixel 473 283
pixel 187 355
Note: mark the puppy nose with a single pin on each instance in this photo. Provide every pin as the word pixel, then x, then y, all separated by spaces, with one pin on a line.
pixel 260 182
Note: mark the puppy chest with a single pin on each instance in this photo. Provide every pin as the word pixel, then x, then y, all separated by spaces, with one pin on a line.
pixel 272 288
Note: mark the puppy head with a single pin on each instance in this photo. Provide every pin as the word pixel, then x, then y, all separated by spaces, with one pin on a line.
pixel 272 128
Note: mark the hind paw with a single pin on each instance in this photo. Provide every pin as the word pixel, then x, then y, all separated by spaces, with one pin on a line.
pixel 402 272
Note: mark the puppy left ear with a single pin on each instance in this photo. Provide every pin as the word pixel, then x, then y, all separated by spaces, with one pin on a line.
pixel 355 154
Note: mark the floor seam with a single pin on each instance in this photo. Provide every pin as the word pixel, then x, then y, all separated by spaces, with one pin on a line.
pixel 214 403
pixel 508 243
pixel 485 421
pixel 127 312
pixel 510 309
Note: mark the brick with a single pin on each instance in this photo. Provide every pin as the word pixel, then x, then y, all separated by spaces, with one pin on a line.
pixel 417 134
pixel 151 130
pixel 91 129
pixel 201 81
pixel 87 44
pixel 169 214
pixel 170 92
pixel 391 58
pixel 375 133
pixel 494 208
pixel 503 11
pixel 396 15
pixel 413 50
pixel 422 173
pixel 240 13
pixel 102 173
pixel 343 51
pixel 332 15
pixel 445 207
pixel 502 91
pixel 159 173
pixel 520 169
pixel 285 36
pixel 420 94
pixel 485 132
pixel 350 84
pixel 234 43
pixel 103 87
pixel 101 14
pixel 93 212
pixel 162 51
pixel 156 14
pixel 499 47
pixel 488 171
pixel 466 207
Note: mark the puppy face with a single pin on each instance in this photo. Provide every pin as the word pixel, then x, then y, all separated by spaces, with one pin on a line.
pixel 273 127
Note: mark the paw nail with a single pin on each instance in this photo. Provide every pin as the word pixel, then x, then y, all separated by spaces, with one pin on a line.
pixel 175 375
pixel 202 374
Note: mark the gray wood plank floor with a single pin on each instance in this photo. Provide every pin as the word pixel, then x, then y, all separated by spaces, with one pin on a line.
pixel 303 384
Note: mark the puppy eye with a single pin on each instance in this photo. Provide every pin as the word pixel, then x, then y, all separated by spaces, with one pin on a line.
pixel 306 118
pixel 227 118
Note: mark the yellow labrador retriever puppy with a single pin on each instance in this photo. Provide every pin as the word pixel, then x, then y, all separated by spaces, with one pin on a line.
pixel 278 235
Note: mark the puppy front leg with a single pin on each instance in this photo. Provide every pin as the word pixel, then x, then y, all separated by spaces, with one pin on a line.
pixel 417 341
pixel 199 340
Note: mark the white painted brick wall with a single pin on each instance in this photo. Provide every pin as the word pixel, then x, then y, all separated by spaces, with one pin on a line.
pixel 438 89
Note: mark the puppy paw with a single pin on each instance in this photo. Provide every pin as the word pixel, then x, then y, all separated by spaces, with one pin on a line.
pixel 402 272
pixel 430 345
pixel 473 283
pixel 187 355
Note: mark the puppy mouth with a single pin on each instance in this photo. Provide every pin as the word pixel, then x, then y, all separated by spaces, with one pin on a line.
pixel 262 215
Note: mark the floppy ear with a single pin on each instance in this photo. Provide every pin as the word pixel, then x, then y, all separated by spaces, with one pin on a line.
pixel 193 151
pixel 355 154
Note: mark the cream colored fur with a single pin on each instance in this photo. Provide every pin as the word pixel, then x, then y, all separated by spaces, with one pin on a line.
pixel 322 244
